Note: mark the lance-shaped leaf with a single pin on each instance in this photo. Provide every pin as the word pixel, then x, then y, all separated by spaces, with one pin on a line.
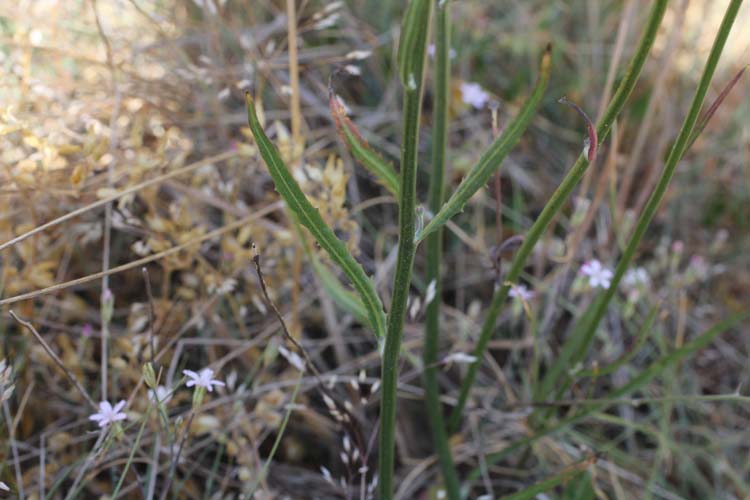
pixel 309 217
pixel 493 158
pixel 360 149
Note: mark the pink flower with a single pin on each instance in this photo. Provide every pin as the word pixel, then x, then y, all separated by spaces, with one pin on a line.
pixel 521 292
pixel 87 330
pixel 109 415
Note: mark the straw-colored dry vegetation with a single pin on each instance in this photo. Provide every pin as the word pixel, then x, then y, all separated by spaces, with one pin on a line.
pixel 138 221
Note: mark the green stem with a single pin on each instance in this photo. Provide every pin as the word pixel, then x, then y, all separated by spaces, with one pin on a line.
pixel 434 245
pixel 557 200
pixel 412 54
pixel 576 349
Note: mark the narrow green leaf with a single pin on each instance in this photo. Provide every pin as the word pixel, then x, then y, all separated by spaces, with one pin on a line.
pixel 345 299
pixel 556 201
pixel 640 340
pixel 534 490
pixel 434 251
pixel 412 45
pixel 578 344
pixel 310 218
pixel 493 158
pixel 371 160
pixel 643 377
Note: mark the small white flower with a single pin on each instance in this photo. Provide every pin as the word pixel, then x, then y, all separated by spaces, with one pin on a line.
pixel 460 357
pixel 163 394
pixel 635 278
pixel 109 415
pixel 474 95
pixel 599 276
pixel 4 486
pixel 521 292
pixel 203 379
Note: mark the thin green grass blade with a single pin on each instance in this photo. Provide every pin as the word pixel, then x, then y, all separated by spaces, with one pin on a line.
pixel 493 158
pixel 280 434
pixel 653 370
pixel 640 340
pixel 434 252
pixel 703 121
pixel 309 217
pixel 577 346
pixel 533 491
pixel 555 203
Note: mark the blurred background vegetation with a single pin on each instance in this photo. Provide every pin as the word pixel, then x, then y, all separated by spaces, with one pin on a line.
pixel 100 96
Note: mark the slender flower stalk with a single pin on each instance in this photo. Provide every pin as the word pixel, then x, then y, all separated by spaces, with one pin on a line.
pixel 412 53
pixel 576 348
pixel 434 245
pixel 555 203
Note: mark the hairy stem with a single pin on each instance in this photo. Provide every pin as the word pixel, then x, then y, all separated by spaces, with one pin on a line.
pixel 412 54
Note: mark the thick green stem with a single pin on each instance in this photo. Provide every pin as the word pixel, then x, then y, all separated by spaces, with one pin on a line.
pixel 412 54
pixel 576 349
pixel 434 245
pixel 556 202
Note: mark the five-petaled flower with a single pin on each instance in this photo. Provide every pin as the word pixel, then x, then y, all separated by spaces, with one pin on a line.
pixel 108 414
pixel 635 278
pixel 203 379
pixel 474 95
pixel 599 276
pixel 163 394
pixel 521 292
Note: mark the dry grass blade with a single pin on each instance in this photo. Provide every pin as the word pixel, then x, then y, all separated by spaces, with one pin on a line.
pixel 55 358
